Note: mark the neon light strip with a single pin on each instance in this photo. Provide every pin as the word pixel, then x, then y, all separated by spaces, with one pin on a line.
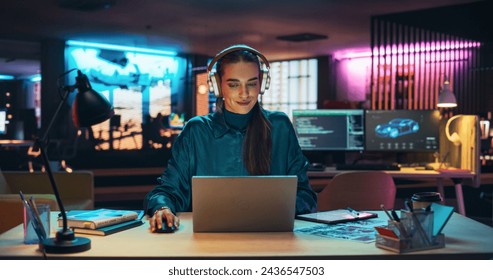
pixel 35 78
pixel 422 47
pixel 405 49
pixel 118 48
pixel 6 77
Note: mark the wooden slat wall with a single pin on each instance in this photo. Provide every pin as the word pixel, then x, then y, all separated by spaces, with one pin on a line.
pixel 410 64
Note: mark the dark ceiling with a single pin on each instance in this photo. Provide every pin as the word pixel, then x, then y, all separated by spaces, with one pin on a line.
pixel 201 26
pixel 472 21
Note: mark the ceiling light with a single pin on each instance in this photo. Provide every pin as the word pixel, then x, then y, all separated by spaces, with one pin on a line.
pixel 302 37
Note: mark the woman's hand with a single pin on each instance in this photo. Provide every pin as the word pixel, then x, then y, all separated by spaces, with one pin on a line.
pixel 163 215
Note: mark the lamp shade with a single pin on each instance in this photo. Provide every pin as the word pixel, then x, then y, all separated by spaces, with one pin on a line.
pixel 446 97
pixel 90 107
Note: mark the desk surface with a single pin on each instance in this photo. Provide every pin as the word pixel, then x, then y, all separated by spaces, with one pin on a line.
pixel 465 239
pixel 406 172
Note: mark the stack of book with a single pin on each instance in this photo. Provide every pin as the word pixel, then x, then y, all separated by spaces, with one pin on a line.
pixel 102 221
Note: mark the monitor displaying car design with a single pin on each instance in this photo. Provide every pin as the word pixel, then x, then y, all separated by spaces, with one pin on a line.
pixel 402 130
pixel 397 127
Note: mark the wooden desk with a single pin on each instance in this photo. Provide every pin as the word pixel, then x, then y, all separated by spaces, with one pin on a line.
pixel 465 239
pixel 411 173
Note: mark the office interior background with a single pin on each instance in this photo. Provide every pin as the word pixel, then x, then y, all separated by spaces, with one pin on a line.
pixel 149 58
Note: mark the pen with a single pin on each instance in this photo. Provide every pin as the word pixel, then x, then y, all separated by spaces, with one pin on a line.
pixel 353 212
pixel 386 212
pixel 396 221
pixel 394 215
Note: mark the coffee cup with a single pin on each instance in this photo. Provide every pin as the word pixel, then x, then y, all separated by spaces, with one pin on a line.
pixel 424 199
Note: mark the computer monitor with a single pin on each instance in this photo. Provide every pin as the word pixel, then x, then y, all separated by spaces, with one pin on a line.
pixel 402 130
pixel 329 130
pixel 3 121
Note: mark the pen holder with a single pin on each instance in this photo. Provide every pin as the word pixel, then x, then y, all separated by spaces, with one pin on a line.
pixel 419 227
pixel 414 232
pixel 30 235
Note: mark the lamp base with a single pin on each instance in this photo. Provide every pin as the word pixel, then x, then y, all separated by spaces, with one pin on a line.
pixel 65 243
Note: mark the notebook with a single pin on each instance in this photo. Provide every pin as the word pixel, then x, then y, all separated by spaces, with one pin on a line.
pixel 243 204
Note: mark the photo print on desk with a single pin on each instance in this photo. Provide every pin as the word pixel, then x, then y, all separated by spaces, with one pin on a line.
pixel 360 231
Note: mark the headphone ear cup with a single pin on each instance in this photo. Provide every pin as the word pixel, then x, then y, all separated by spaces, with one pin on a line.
pixel 265 82
pixel 209 83
pixel 455 139
pixel 214 85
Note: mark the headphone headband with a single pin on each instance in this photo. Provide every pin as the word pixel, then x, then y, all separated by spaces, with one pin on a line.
pixel 234 48
pixel 213 77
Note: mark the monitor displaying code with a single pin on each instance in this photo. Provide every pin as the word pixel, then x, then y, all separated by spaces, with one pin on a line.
pixel 329 129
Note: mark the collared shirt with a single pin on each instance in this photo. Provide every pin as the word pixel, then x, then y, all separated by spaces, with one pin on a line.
pixel 207 146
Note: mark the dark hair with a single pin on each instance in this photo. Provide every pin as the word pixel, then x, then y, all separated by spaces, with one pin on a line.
pixel 257 147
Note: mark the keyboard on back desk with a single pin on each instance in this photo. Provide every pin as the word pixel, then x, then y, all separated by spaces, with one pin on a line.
pixel 368 166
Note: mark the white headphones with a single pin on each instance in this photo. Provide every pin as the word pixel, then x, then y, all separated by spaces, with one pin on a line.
pixel 213 76
pixel 454 138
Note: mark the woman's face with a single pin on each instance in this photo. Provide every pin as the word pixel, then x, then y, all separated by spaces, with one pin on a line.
pixel 240 86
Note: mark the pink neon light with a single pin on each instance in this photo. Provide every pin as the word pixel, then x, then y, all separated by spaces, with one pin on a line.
pixel 425 46
pixel 405 49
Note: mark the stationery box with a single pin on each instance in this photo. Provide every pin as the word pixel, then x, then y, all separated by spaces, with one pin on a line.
pixel 406 245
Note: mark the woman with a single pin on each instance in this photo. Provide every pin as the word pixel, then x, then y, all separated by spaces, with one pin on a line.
pixel 239 139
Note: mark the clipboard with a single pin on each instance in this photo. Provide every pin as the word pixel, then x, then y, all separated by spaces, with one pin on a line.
pixel 337 216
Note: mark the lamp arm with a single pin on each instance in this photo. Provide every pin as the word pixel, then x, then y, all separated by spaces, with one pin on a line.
pixel 55 115
pixel 40 144
pixel 65 240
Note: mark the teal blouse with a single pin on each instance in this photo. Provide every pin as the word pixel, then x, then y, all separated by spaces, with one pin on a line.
pixel 208 146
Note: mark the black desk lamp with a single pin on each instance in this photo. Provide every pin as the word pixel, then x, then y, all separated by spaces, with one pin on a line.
pixel 89 108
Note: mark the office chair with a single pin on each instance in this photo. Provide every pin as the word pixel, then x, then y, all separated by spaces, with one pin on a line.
pixel 360 190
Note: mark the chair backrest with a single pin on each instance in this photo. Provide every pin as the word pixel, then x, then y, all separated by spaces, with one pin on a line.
pixel 360 190
pixel 76 189
pixel 4 186
pixel 12 209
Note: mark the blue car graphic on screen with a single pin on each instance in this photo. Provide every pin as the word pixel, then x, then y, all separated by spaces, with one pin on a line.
pixel 396 128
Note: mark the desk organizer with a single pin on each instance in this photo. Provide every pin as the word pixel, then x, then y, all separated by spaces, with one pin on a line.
pixel 414 232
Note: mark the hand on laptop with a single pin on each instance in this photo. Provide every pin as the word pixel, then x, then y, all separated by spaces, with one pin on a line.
pixel 156 221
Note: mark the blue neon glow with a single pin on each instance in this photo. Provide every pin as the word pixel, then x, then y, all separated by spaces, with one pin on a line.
pixel 35 78
pixel 119 48
pixel 6 77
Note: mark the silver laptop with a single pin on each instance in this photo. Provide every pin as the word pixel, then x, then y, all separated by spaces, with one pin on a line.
pixel 243 204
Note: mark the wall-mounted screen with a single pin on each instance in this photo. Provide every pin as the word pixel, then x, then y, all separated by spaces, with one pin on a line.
pixel 330 130
pixel 402 130
pixel 140 86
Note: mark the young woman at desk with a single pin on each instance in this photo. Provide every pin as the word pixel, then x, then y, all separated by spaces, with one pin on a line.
pixel 239 139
